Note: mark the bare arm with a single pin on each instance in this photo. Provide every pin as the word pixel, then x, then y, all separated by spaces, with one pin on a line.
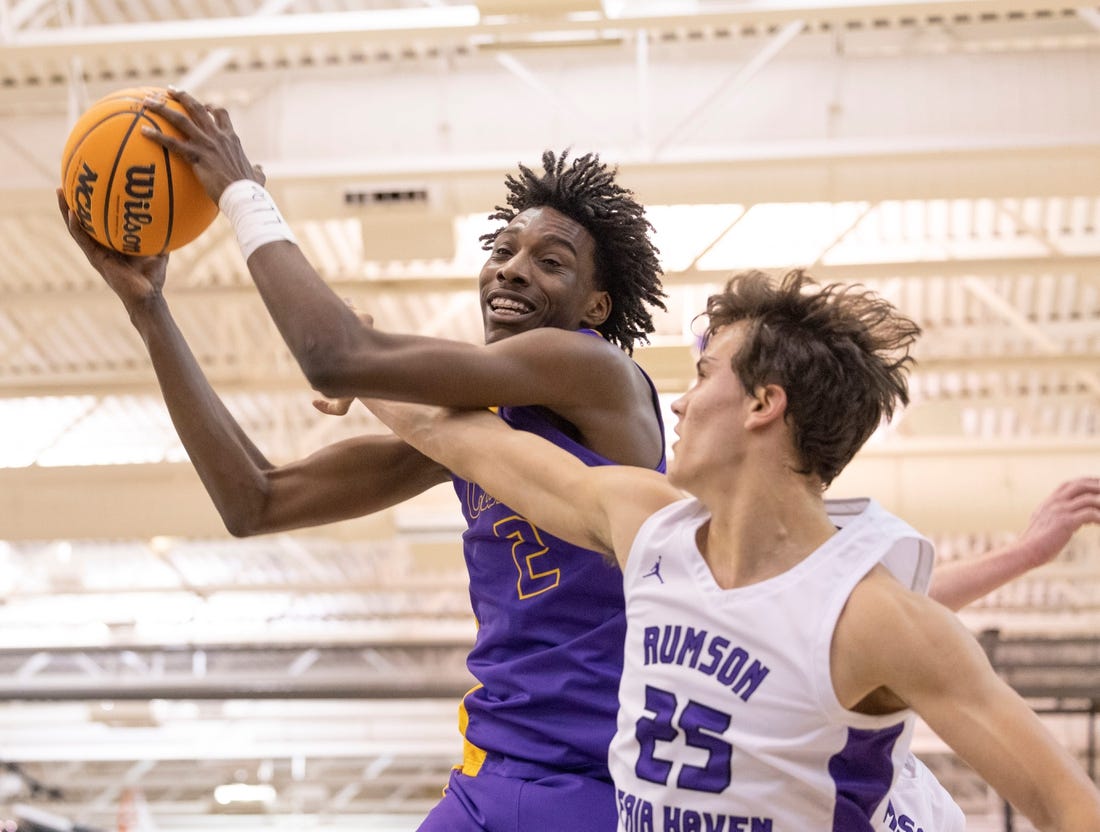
pixel 1072 505
pixel 895 645
pixel 587 506
pixel 586 381
pixel 251 494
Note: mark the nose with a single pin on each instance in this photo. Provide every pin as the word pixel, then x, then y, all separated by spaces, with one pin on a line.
pixel 513 270
pixel 677 406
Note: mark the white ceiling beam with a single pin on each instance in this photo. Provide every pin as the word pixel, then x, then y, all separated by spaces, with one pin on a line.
pixel 298 587
pixel 966 484
pixel 100 300
pixel 1040 235
pixel 83 503
pixel 570 107
pixel 843 235
pixel 1017 319
pixel 776 11
pixel 671 374
pixel 643 90
pixel 693 266
pixel 89 746
pixel 214 61
pixel 672 366
pixel 385 25
pixel 1090 15
pixel 834 170
pixel 463 23
pixel 830 170
pixel 433 681
pixel 734 83
pixel 14 17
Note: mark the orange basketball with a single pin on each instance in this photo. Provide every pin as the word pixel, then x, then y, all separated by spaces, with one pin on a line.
pixel 130 193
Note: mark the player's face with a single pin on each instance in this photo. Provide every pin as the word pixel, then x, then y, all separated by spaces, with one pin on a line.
pixel 711 416
pixel 541 272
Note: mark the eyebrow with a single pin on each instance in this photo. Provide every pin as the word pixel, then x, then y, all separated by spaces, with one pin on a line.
pixel 703 359
pixel 554 239
pixel 548 238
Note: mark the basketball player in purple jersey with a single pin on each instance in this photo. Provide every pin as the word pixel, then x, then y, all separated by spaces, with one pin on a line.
pixel 539 288
pixel 566 292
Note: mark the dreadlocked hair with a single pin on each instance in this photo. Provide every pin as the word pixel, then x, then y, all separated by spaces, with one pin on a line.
pixel 626 259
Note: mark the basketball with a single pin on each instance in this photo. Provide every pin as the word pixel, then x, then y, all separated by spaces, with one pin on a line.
pixel 128 192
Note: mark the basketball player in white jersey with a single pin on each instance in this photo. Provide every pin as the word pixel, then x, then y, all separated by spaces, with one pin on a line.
pixel 772 665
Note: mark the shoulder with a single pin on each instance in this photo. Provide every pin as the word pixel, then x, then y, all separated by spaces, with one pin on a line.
pixel 888 636
pixel 878 605
pixel 630 497
pixel 876 627
pixel 592 385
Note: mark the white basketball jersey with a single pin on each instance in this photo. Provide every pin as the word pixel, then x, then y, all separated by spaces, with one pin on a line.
pixel 728 718
pixel 918 803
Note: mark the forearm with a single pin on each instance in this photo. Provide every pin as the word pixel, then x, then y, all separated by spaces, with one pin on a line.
pixel 461 441
pixel 230 466
pixel 1029 768
pixel 318 327
pixel 1075 503
pixel 957 584
pixel 545 484
pixel 927 658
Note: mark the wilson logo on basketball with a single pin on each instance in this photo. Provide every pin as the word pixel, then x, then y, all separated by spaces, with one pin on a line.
pixel 140 180
pixel 127 191
pixel 82 196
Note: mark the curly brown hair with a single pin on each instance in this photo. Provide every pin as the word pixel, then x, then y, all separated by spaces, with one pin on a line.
pixel 839 351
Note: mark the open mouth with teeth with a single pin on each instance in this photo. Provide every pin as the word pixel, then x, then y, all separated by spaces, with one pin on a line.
pixel 509 307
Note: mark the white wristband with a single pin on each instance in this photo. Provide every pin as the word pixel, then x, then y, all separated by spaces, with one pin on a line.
pixel 255 217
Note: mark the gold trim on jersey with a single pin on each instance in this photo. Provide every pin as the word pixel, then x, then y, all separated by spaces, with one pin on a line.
pixel 472 756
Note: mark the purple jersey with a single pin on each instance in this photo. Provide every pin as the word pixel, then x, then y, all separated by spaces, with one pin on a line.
pixel 551 626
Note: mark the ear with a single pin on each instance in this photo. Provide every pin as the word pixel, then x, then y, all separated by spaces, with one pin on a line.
pixel 597 310
pixel 767 404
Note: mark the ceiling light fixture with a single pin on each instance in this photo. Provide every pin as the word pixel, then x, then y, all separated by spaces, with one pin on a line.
pixel 244 793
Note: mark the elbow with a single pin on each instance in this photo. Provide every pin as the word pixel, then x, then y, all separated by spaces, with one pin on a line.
pixel 335 372
pixel 324 377
pixel 239 526
pixel 246 516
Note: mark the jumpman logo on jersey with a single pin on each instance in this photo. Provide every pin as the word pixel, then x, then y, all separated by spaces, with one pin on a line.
pixel 655 571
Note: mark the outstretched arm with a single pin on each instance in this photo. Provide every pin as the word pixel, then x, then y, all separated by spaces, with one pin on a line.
pixel 599 508
pixel 895 646
pixel 252 495
pixel 1072 505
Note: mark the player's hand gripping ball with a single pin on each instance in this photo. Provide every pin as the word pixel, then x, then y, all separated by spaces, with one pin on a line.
pixel 128 192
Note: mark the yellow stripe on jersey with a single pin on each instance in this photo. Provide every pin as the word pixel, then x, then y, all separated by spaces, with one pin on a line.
pixel 472 756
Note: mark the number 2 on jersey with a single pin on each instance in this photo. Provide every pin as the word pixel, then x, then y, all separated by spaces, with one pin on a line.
pixel 527 550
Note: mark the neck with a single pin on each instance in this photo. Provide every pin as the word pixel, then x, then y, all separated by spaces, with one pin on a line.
pixel 763 526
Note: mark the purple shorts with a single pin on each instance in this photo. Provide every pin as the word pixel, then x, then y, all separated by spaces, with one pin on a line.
pixel 492 803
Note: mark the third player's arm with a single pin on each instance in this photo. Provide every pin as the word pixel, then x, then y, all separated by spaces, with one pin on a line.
pixel 1072 505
